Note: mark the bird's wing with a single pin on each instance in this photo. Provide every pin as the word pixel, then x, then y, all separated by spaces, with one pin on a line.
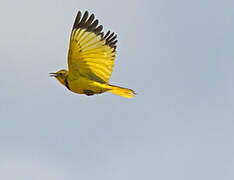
pixel 91 53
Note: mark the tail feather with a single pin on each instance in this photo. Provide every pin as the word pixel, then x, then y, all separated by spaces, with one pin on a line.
pixel 125 92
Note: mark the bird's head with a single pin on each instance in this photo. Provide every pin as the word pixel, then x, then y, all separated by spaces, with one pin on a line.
pixel 61 75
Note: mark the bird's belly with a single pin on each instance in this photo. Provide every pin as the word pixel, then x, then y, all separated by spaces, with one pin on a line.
pixel 81 85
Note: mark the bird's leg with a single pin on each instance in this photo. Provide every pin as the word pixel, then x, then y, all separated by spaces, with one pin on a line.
pixel 88 92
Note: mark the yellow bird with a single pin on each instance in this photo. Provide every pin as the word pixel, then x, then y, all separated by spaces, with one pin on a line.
pixel 91 59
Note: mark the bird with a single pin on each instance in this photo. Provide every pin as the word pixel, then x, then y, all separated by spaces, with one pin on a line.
pixel 91 58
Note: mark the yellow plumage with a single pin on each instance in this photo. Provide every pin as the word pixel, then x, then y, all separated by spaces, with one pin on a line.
pixel 91 59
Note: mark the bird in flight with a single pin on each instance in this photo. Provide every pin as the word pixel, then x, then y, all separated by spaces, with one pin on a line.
pixel 91 59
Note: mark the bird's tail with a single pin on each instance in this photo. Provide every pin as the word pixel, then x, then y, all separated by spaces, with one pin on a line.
pixel 125 92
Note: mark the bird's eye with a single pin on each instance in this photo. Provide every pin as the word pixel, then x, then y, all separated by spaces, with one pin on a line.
pixel 60 74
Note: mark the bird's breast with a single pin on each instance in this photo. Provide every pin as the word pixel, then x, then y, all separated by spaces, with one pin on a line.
pixel 82 85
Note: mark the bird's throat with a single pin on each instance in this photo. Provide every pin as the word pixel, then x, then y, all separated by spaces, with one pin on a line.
pixel 66 84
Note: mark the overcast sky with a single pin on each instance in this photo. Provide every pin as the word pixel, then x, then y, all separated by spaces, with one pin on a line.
pixel 178 57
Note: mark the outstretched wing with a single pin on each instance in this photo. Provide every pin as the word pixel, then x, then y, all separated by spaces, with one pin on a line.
pixel 91 53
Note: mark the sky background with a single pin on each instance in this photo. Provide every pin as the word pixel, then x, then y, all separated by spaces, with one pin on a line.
pixel 178 57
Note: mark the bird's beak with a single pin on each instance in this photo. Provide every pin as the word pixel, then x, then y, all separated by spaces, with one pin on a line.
pixel 53 74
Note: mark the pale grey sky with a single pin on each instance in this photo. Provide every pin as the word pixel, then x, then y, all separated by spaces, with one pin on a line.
pixel 178 57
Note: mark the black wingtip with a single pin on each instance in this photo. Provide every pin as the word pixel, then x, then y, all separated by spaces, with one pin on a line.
pixel 91 25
